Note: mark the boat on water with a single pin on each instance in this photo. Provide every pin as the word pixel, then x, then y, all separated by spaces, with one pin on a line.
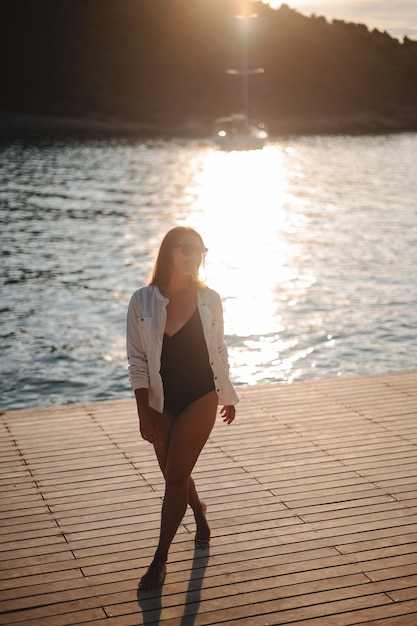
pixel 238 132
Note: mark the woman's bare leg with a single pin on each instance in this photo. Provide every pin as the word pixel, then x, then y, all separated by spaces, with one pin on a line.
pixel 198 507
pixel 187 437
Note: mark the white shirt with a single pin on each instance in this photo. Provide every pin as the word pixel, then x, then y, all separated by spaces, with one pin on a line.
pixel 146 320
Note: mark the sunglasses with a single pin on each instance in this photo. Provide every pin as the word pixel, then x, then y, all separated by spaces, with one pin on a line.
pixel 189 250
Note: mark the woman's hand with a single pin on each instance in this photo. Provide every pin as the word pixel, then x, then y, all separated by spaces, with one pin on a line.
pixel 148 424
pixel 149 429
pixel 228 414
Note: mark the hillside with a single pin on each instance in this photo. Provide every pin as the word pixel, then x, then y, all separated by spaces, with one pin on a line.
pixel 160 65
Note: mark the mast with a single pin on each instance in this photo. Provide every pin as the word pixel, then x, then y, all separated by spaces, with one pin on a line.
pixel 245 18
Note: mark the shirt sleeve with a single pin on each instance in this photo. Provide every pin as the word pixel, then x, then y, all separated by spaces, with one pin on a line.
pixel 221 343
pixel 136 354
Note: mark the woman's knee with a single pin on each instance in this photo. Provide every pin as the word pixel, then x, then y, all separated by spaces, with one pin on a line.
pixel 176 479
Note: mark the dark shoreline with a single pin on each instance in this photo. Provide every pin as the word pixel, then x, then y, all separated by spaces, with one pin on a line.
pixel 30 125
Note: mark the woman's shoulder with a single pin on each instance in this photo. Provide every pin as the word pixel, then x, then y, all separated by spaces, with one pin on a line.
pixel 209 295
pixel 146 293
pixel 140 292
pixel 147 301
pixel 146 290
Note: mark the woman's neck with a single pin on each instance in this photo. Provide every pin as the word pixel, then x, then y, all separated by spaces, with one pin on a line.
pixel 177 286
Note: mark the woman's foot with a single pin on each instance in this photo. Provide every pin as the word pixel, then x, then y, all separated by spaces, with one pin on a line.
pixel 202 535
pixel 155 575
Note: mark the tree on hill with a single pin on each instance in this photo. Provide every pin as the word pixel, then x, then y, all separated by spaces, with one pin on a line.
pixel 163 61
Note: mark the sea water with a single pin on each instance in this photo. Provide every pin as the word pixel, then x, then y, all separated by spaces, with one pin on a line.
pixel 312 246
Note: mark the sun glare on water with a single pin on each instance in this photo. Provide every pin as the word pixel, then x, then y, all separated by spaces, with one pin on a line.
pixel 241 209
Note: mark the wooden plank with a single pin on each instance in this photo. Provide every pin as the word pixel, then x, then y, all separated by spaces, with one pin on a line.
pixel 396 617
pixel 312 498
pixel 72 613
pixel 289 610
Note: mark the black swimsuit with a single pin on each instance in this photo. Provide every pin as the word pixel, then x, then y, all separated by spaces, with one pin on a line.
pixel 185 369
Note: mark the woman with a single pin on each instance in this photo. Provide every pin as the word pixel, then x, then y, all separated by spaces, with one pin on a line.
pixel 178 368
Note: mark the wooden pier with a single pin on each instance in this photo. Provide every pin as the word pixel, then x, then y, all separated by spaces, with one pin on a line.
pixel 311 494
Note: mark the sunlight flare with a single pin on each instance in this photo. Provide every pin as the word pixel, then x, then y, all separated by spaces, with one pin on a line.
pixel 242 210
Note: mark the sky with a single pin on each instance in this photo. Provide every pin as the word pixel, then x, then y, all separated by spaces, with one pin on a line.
pixel 397 17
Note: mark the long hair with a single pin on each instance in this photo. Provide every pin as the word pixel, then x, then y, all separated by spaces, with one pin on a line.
pixel 162 269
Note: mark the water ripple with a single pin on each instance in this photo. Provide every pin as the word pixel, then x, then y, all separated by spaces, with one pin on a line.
pixel 312 245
